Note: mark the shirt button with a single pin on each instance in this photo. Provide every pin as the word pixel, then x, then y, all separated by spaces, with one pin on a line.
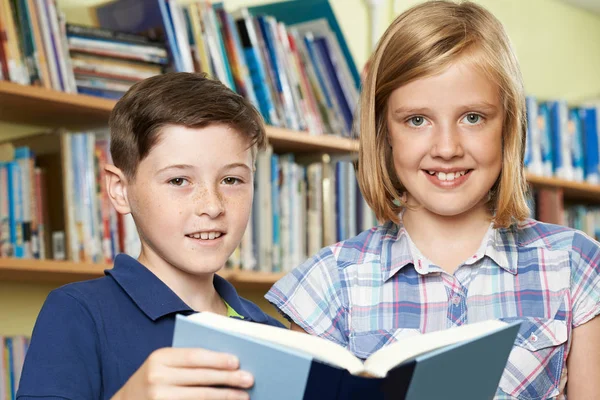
pixel 533 338
pixel 456 300
pixel 419 265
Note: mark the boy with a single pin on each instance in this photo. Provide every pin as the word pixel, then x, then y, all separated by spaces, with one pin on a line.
pixel 183 148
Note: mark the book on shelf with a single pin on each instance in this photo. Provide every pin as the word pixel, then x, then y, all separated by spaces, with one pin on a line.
pixel 12 355
pixel 563 141
pixel 299 76
pixel 467 361
pixel 72 218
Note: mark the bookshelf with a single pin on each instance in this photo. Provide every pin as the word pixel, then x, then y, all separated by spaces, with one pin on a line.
pixel 572 191
pixel 61 272
pixel 39 106
pixel 36 105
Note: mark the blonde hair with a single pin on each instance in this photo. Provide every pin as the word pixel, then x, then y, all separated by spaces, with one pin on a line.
pixel 422 42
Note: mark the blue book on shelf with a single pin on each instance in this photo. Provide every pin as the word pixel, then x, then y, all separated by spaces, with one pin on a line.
pixel 562 160
pixel 15 207
pixel 298 11
pixel 546 140
pixel 591 141
pixel 578 151
pixel 467 361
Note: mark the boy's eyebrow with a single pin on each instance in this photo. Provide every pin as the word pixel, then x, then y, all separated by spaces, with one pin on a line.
pixel 175 166
pixel 237 165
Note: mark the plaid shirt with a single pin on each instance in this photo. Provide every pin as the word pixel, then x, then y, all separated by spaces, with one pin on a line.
pixel 377 288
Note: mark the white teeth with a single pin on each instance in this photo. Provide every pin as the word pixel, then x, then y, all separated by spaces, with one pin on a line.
pixel 206 235
pixel 450 176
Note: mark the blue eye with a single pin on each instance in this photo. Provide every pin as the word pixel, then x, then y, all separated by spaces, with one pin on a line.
pixel 416 121
pixel 473 119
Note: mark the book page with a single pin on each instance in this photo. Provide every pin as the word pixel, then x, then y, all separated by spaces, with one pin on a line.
pixel 321 349
pixel 386 358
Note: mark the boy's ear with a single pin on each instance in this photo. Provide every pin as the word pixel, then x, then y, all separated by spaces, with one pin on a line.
pixel 116 187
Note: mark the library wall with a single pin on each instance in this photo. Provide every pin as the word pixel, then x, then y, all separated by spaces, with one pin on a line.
pixel 556 44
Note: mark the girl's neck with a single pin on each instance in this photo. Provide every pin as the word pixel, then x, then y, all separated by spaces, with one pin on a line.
pixel 447 241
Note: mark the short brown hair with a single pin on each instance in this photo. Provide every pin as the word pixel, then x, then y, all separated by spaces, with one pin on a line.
pixel 422 42
pixel 178 98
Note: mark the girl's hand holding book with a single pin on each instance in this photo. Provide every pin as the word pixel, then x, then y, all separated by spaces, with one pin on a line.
pixel 179 373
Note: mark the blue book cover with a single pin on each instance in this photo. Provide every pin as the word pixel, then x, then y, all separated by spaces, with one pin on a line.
pixel 298 11
pixel 296 366
pixel 591 141
pixel 15 209
pixel 256 68
pixel 322 47
pixel 561 140
pixel 577 149
pixel 533 151
pixel 546 140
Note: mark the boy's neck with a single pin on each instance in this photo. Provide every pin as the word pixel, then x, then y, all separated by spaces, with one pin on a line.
pixel 197 291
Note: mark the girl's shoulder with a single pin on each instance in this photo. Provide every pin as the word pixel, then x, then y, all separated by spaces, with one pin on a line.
pixel 531 233
pixel 365 246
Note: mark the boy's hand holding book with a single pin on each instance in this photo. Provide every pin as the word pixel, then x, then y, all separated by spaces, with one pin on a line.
pixel 179 373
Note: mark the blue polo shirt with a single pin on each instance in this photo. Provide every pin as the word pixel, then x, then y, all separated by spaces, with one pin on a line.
pixel 91 336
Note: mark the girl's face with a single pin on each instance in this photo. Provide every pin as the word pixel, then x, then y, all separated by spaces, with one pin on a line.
pixel 446 138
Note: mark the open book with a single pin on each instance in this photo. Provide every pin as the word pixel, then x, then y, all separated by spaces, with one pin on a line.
pixel 294 365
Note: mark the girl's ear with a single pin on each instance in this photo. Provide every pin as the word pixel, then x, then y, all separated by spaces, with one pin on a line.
pixel 116 187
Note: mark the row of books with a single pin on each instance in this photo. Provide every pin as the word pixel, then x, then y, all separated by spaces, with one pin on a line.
pixel 301 203
pixel 297 76
pixel 107 63
pixel 22 213
pixel 583 218
pixel 548 205
pixel 563 141
pixel 12 356
pixel 33 47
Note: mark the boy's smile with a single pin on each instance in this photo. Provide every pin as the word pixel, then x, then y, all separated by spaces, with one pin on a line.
pixel 191 199
pixel 446 138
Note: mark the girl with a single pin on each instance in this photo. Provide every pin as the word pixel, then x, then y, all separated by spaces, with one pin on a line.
pixel 442 134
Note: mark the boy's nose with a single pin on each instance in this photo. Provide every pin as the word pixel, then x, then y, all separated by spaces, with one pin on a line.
pixel 209 202
pixel 447 143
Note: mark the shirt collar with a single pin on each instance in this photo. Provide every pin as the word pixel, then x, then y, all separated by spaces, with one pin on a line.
pixel 398 250
pixel 157 300
pixel 502 247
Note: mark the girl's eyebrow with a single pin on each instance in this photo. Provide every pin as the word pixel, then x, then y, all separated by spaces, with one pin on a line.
pixel 412 110
pixel 480 106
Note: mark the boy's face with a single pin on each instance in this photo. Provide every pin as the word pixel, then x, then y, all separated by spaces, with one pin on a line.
pixel 446 138
pixel 191 198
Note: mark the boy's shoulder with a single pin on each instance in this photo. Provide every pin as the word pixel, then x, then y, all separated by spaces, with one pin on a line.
pixel 536 234
pixel 257 311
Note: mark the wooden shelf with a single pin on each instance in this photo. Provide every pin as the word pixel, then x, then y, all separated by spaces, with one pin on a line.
pixel 42 107
pixel 572 191
pixel 33 105
pixel 61 272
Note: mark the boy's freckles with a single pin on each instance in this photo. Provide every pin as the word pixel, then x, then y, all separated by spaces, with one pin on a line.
pixel 191 217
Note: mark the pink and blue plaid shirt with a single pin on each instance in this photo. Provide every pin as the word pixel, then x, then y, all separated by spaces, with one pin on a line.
pixel 377 288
